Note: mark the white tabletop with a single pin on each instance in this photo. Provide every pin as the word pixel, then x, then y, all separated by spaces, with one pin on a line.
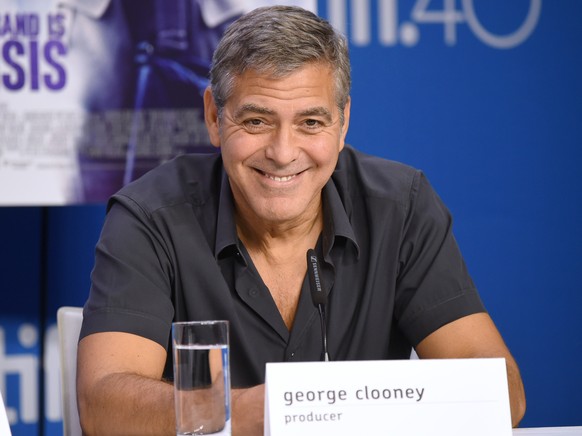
pixel 549 431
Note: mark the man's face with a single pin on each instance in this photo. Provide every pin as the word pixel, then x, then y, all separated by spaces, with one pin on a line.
pixel 280 140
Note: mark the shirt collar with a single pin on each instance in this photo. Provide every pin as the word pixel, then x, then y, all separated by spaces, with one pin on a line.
pixel 226 237
pixel 336 224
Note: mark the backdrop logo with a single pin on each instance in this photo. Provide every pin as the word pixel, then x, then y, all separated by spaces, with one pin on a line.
pixel 446 13
pixel 20 377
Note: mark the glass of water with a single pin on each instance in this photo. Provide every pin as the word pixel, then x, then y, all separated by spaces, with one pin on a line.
pixel 201 377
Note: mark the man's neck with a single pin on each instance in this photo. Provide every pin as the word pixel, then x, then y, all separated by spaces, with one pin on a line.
pixel 279 240
pixel 278 254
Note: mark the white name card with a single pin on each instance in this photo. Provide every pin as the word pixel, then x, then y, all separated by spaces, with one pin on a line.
pixel 445 397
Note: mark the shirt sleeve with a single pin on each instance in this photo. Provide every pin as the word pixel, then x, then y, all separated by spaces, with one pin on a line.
pixel 131 280
pixel 434 287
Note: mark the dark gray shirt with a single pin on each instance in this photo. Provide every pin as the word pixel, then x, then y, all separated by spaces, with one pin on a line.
pixel 169 252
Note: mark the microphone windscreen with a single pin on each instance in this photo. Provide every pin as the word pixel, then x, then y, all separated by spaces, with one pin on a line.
pixel 317 292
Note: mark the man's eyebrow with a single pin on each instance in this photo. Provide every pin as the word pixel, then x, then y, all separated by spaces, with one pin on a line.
pixel 252 108
pixel 318 111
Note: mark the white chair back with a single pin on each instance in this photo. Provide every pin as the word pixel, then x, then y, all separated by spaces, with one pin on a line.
pixel 69 320
pixel 4 425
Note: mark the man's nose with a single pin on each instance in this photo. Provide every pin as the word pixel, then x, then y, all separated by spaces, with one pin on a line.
pixel 282 147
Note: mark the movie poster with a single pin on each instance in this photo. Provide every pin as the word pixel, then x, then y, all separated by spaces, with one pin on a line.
pixel 93 94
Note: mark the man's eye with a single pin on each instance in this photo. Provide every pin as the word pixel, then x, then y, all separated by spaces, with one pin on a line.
pixel 254 123
pixel 312 124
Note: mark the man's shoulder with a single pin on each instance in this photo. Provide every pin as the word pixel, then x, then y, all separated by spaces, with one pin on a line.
pixel 190 178
pixel 374 176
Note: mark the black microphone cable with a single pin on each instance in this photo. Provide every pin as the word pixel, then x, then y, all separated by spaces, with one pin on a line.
pixel 318 296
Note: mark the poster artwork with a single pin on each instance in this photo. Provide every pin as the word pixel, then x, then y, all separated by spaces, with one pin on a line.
pixel 95 94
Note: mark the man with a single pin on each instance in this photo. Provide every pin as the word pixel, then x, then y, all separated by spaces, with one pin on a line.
pixel 225 236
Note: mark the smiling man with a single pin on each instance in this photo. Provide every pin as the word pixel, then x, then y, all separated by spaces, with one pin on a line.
pixel 224 236
pixel 280 140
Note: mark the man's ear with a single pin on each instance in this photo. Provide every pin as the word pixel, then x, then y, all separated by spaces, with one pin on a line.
pixel 346 122
pixel 211 117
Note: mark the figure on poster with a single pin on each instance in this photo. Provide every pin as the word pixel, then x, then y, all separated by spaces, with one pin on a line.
pixel 140 71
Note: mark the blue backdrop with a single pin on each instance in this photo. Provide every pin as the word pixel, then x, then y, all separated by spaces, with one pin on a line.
pixel 485 97
pixel 499 133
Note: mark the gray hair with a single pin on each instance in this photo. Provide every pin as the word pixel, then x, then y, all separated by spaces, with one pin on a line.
pixel 277 41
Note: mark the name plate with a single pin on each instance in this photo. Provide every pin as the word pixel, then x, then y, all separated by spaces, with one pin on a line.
pixel 444 397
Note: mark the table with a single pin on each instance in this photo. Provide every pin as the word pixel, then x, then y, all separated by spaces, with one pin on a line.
pixel 548 431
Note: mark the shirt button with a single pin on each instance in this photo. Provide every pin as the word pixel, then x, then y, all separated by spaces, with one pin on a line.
pixel 254 293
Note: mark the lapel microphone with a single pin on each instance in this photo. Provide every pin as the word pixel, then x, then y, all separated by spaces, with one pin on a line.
pixel 318 296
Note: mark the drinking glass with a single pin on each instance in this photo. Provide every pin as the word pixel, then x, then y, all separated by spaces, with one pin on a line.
pixel 201 377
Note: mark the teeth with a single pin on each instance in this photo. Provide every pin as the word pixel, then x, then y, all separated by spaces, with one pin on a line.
pixel 280 179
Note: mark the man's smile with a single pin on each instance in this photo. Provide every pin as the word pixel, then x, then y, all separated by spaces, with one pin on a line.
pixel 281 178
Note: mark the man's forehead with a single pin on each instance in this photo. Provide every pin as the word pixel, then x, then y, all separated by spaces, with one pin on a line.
pixel 306 91
pixel 311 74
